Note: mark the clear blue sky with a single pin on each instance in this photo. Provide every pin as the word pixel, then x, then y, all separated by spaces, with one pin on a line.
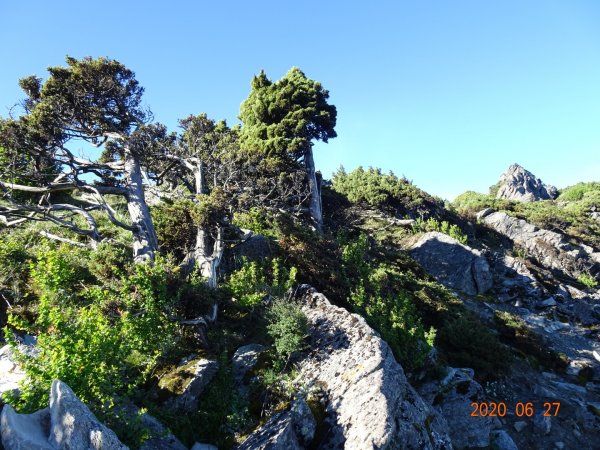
pixel 448 93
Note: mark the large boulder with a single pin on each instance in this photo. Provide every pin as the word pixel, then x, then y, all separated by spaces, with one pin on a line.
pixel 25 431
pixel 74 426
pixel 454 265
pixel 370 402
pixel 521 185
pixel 66 425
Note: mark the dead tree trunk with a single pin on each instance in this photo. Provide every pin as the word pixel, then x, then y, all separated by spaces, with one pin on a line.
pixel 145 243
pixel 316 211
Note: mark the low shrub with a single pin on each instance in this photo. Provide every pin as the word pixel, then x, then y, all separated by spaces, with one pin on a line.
pixel 256 281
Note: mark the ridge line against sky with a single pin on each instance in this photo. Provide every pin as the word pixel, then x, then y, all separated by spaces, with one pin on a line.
pixel 447 93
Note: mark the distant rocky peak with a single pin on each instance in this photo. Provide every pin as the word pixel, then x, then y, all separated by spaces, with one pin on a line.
pixel 520 184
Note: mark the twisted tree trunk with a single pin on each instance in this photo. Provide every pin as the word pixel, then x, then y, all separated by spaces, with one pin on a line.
pixel 145 243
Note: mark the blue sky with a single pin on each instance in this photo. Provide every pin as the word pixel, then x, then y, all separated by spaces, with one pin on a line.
pixel 447 93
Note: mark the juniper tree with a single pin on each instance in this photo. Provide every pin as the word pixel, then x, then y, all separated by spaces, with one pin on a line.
pixel 280 122
pixel 98 101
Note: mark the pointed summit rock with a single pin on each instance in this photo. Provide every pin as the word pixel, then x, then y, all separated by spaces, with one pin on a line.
pixel 521 185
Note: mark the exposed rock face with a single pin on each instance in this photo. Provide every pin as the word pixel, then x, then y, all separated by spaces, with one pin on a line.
pixel 73 425
pixel 187 382
pixel 291 429
pixel 66 424
pixel 370 405
pixel 244 359
pixel 25 431
pixel 277 434
pixel 453 397
pixel 519 184
pixel 452 264
pixel 549 248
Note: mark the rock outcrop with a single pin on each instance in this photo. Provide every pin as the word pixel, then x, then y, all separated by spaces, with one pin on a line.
pixel 549 248
pixel 453 397
pixel 184 385
pixel 521 185
pixel 292 429
pixel 370 404
pixel 66 424
pixel 454 265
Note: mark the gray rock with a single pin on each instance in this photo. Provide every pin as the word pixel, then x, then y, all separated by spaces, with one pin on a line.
pixel 25 431
pixel 10 372
pixel 501 440
pixel 74 426
pixel 453 397
pixel 244 359
pixel 277 434
pixel 484 212
pixel 370 402
pixel 542 424
pixel 548 302
pixel 452 264
pixel 520 425
pixel 549 248
pixel 187 382
pixel 559 445
pixel 521 185
pixel 200 446
pixel 305 424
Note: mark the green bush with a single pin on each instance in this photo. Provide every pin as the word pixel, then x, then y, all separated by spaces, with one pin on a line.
pixel 257 220
pixel 102 341
pixel 377 294
pixel 288 327
pixel 587 280
pixel 432 224
pixel 579 191
pixel 374 188
pixel 256 281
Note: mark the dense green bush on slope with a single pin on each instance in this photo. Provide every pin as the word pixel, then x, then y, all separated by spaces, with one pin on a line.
pixel 100 340
pixel 374 188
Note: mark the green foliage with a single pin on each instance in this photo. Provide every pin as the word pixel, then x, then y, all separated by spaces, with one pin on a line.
pixel 468 343
pixel 288 327
pixel 102 341
pixel 579 192
pixel 587 280
pixel 222 411
pixel 432 224
pixel 515 332
pixel 13 266
pixel 257 220
pixel 280 119
pixel 377 294
pixel 374 188
pixel 255 281
pixel 175 227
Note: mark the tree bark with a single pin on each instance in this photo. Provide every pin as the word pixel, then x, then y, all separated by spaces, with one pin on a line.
pixel 316 211
pixel 145 243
